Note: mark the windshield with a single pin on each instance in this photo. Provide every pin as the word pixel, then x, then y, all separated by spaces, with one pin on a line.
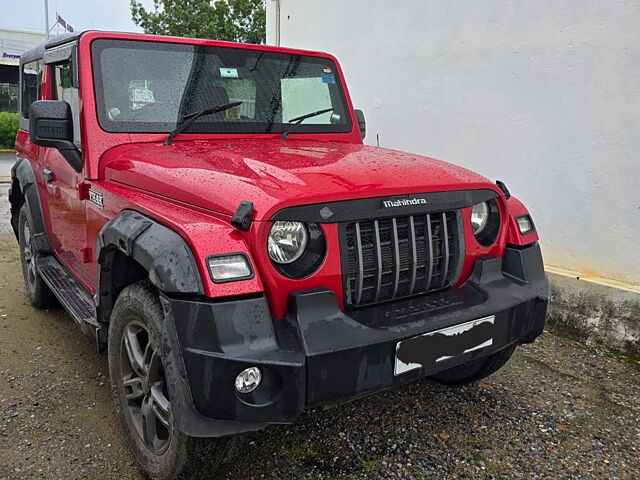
pixel 153 86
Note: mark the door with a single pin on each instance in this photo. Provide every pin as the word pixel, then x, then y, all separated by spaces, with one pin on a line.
pixel 66 209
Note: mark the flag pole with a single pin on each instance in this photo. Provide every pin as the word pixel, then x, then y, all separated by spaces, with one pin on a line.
pixel 46 18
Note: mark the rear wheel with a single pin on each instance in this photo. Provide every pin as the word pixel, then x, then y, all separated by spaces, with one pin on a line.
pixel 38 292
pixel 471 372
pixel 140 390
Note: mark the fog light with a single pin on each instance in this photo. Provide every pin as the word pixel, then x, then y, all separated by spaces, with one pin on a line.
pixel 525 225
pixel 248 380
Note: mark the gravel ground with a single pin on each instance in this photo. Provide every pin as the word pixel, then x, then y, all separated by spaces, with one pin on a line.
pixel 557 410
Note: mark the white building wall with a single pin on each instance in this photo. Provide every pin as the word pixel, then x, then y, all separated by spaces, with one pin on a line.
pixel 543 95
pixel 13 43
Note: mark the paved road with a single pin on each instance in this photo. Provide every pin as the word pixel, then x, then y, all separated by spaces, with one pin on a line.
pixel 556 411
pixel 7 159
pixel 5 226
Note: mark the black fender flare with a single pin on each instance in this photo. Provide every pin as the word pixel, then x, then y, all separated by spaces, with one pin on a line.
pixel 163 253
pixel 23 178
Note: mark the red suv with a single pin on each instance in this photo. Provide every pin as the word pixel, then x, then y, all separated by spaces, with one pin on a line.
pixel 208 213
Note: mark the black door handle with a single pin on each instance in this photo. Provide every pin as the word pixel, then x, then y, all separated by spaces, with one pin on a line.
pixel 47 175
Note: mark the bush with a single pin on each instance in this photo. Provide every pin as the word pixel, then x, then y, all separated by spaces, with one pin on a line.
pixel 8 129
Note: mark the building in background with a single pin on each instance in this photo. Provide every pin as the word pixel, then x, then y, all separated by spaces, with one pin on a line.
pixel 542 95
pixel 13 43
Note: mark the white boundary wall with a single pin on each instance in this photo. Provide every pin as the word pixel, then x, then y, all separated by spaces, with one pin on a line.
pixel 543 95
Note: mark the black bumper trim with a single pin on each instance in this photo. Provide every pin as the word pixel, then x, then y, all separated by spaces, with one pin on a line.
pixel 320 354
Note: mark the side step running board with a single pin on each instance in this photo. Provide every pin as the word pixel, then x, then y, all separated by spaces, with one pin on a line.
pixel 73 297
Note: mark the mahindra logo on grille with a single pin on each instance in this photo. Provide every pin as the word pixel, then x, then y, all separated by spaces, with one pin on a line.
pixel 403 202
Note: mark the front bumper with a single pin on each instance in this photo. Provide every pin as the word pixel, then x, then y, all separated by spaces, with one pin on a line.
pixel 320 354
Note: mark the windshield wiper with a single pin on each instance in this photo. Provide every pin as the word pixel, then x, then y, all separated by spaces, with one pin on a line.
pixel 298 120
pixel 189 118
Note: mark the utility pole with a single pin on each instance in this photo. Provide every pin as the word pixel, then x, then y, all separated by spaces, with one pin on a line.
pixel 277 23
pixel 46 18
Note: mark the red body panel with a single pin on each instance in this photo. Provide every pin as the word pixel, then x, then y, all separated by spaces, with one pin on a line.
pixel 194 185
pixel 273 174
pixel 205 232
pixel 516 208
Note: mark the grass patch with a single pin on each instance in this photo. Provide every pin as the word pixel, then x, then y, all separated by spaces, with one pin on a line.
pixel 482 443
pixel 295 452
pixel 368 464
pixel 629 358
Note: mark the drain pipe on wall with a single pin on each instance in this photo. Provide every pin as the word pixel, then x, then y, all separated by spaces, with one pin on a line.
pixel 277 23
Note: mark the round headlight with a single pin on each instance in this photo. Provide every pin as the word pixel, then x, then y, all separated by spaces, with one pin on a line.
pixel 479 217
pixel 287 241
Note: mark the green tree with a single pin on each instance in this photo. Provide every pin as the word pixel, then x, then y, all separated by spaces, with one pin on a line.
pixel 8 129
pixel 231 20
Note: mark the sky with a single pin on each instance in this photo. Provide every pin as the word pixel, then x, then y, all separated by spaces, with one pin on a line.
pixel 80 14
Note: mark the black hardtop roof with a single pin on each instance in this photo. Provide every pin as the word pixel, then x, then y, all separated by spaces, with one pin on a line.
pixel 37 52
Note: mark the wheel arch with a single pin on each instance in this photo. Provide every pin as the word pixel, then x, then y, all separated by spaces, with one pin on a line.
pixel 131 247
pixel 24 190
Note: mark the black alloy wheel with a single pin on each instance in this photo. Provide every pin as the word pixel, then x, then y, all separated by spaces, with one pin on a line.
pixel 142 392
pixel 145 388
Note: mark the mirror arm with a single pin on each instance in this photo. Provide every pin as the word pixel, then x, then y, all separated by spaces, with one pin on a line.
pixel 362 124
pixel 73 157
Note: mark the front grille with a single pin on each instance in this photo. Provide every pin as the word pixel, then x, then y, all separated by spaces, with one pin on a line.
pixel 398 257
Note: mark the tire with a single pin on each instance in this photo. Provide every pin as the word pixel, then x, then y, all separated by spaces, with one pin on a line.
pixel 160 450
pixel 471 372
pixel 37 291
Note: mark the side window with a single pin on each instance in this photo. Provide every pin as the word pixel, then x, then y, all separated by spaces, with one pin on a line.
pixel 63 90
pixel 31 79
pixel 301 95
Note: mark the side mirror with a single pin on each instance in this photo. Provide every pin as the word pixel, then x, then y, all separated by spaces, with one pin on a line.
pixel 362 124
pixel 51 125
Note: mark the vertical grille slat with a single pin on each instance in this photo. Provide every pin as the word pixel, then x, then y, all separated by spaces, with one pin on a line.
pixel 360 278
pixel 445 241
pixel 430 241
pixel 414 254
pixel 397 257
pixel 376 227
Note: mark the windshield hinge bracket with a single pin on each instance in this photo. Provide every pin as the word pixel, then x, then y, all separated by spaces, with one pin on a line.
pixel 504 189
pixel 241 220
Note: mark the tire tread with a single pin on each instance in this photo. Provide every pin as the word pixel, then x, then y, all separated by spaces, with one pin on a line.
pixel 475 370
pixel 42 297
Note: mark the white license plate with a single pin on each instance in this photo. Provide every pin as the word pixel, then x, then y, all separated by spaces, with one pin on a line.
pixel 440 345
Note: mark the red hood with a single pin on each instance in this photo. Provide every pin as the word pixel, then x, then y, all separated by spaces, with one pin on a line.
pixel 217 175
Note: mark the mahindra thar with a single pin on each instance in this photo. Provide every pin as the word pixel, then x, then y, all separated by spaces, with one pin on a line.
pixel 208 213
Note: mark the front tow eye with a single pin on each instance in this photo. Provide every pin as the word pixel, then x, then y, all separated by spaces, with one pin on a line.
pixel 242 218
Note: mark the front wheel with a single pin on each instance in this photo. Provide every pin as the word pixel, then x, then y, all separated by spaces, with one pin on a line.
pixel 38 292
pixel 475 370
pixel 140 390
